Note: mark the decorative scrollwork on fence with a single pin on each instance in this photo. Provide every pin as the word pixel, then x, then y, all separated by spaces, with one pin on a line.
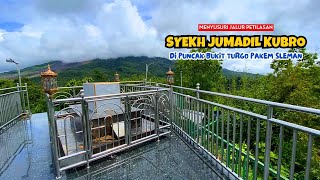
pixel 143 117
pixel 69 131
pixel 107 121
pixel 61 95
pixel 164 106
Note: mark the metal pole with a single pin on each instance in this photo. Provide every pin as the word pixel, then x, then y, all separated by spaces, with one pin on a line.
pixel 157 112
pixel 268 143
pixel 87 145
pixel 171 108
pixel 28 103
pixel 127 119
pixel 18 68
pixel 74 91
pixel 21 92
pixel 181 78
pixel 197 92
pixel 50 129
pixel 198 112
pixel 54 138
pixel 146 73
pixel 147 69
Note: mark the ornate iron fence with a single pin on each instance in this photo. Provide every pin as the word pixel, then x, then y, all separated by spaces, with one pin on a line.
pixel 85 129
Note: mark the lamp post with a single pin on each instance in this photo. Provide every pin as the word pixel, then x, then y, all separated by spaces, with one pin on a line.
pixel 18 68
pixel 147 68
pixel 170 79
pixel 49 81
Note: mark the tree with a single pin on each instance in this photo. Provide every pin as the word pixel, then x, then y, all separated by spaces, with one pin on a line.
pixel 77 82
pixel 206 72
pixel 5 83
pixel 308 60
pixel 99 76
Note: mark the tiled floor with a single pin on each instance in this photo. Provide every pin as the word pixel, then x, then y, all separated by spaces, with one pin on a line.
pixel 170 158
pixel 34 161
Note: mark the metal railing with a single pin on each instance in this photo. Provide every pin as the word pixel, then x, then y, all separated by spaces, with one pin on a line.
pixel 12 141
pixel 85 129
pixel 14 105
pixel 125 86
pixel 135 87
pixel 14 102
pixel 67 92
pixel 241 142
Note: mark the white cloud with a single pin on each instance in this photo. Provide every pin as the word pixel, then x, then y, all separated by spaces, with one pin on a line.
pixel 117 30
pixel 1 34
pixel 78 30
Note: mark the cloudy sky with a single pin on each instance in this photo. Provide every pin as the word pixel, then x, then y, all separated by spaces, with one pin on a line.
pixel 38 31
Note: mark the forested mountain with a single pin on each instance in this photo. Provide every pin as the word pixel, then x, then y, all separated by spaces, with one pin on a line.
pixel 104 69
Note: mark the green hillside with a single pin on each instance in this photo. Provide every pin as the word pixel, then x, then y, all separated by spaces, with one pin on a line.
pixel 104 69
